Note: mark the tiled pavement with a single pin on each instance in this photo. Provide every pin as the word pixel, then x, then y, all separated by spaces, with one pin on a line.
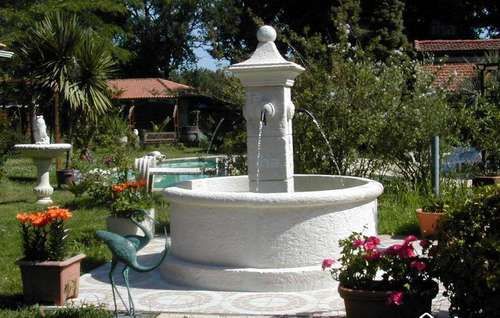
pixel 152 294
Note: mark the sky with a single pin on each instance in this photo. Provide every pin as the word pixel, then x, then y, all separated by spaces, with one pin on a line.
pixel 207 61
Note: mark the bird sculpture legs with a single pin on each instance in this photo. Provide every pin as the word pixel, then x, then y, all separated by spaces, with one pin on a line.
pixel 131 309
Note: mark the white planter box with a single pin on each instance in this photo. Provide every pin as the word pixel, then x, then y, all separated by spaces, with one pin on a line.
pixel 124 226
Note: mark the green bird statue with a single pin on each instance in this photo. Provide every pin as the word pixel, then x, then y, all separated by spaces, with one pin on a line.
pixel 124 250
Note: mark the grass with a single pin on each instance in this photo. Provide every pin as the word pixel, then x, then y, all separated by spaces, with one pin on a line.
pixel 396 212
pixel 16 195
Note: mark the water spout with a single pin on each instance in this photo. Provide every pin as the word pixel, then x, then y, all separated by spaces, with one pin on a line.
pixel 263 117
pixel 315 121
pixel 213 135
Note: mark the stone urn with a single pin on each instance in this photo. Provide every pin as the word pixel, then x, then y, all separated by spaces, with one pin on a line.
pixel 123 226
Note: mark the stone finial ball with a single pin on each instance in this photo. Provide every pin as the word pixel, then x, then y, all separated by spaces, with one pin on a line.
pixel 266 33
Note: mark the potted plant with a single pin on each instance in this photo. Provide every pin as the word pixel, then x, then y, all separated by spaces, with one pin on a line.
pixel 130 199
pixel 431 214
pixel 383 282
pixel 47 274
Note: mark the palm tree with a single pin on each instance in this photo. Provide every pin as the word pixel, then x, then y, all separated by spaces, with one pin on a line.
pixel 69 61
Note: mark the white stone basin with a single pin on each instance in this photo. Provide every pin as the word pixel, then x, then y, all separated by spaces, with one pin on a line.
pixel 46 151
pixel 227 238
pixel 42 155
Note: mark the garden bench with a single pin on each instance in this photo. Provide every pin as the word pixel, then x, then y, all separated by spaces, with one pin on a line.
pixel 159 137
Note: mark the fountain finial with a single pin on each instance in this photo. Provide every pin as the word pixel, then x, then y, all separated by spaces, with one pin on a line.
pixel 266 33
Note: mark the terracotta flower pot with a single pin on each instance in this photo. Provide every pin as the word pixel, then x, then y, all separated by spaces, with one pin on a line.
pixel 429 222
pixel 51 281
pixel 373 304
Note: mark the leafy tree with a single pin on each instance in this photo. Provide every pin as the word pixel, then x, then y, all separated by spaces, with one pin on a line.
pixel 385 24
pixel 161 36
pixel 69 62
pixel 376 115
pixel 105 17
pixel 451 19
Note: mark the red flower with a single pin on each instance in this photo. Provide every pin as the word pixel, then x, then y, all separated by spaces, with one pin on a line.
pixel 327 263
pixel 357 243
pixel 406 251
pixel 418 265
pixel 395 298
pixel 371 243
pixel 425 243
pixel 410 238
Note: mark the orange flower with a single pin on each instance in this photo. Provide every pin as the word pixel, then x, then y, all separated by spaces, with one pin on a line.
pixel 118 188
pixel 40 219
pixel 58 213
pixel 23 218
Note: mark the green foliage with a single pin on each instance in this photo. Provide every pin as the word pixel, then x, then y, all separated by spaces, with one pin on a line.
pixel 401 268
pixel 162 36
pixel 106 17
pixel 85 311
pixel 68 64
pixel 376 115
pixel 109 129
pixel 8 138
pixel 467 256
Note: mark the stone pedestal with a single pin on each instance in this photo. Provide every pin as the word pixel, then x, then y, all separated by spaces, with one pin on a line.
pixel 43 190
pixel 267 78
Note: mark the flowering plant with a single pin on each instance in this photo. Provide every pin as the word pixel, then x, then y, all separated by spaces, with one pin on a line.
pixel 43 234
pixel 365 265
pixel 128 198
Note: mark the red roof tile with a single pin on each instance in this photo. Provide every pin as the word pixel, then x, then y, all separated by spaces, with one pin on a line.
pixel 456 45
pixel 139 88
pixel 451 76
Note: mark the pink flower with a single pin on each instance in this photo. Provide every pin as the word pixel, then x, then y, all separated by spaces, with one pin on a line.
pixel 371 243
pixel 395 298
pixel 406 251
pixel 418 265
pixel 327 263
pixel 425 243
pixel 372 255
pixel 357 243
pixel 410 238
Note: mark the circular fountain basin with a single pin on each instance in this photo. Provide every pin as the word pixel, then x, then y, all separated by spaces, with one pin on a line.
pixel 227 238
pixel 42 151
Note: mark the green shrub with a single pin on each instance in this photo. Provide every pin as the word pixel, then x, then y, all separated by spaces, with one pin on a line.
pixel 467 256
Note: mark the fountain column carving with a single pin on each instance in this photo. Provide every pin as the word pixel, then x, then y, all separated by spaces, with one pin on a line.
pixel 268 78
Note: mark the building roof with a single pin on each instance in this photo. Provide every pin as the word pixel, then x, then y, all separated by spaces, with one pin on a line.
pixel 141 88
pixel 451 76
pixel 456 45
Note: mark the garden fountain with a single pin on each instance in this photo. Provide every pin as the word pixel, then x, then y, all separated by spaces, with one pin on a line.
pixel 270 230
pixel 42 152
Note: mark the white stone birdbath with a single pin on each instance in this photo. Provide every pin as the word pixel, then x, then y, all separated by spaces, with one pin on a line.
pixel 268 231
pixel 42 152
pixel 42 155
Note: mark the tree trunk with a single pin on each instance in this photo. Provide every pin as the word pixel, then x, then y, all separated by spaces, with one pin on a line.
pixel 57 128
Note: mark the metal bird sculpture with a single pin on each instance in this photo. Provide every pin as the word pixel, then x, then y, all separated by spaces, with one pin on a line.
pixel 124 250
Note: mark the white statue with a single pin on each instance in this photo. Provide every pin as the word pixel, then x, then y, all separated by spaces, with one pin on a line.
pixel 40 131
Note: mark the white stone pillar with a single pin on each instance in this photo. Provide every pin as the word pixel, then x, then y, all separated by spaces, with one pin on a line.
pixel 267 78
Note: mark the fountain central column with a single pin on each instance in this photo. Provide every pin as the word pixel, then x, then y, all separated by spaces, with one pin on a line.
pixel 268 78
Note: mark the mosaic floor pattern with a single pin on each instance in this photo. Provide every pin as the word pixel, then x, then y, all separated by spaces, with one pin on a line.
pixel 152 294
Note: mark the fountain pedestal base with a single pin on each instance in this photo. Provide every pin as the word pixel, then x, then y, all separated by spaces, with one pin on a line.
pixel 43 190
pixel 210 277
